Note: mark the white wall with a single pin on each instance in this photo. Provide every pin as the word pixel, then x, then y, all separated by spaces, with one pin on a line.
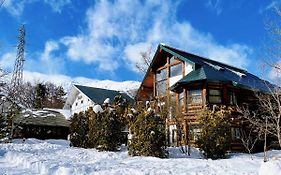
pixel 188 68
pixel 175 79
pixel 77 106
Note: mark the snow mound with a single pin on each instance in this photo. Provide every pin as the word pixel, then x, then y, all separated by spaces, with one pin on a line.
pixel 107 101
pixel 272 167
pixel 56 157
pixel 97 109
pixel 175 152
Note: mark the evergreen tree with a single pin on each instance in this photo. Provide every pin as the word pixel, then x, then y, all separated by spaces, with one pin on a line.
pixel 105 129
pixel 40 96
pixel 148 135
pixel 79 130
pixel 215 136
pixel 4 128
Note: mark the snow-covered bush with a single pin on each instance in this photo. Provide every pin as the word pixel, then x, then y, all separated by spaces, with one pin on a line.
pixel 105 130
pixel 148 134
pixel 97 109
pixel 215 136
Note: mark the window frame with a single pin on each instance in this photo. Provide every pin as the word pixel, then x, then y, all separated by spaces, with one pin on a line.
pixel 190 102
pixel 215 95
pixel 235 133
pixel 232 98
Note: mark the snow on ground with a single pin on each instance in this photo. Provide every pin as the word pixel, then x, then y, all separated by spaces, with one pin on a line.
pixel 56 157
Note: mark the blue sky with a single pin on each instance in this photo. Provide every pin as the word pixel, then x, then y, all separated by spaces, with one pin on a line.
pixel 103 39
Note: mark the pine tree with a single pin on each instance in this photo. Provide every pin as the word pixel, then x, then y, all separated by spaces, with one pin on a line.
pixel 40 96
pixel 148 135
pixel 215 136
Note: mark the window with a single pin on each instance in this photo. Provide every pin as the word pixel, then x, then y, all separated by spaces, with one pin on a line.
pixel 81 101
pixel 195 96
pixel 173 60
pixel 235 132
pixel 76 104
pixel 161 75
pixel 161 88
pixel 176 70
pixel 174 137
pixel 181 99
pixel 232 98
pixel 161 84
pixel 194 132
pixel 215 96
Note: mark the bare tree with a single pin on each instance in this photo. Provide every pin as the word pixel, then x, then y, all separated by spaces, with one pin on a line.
pixel 267 117
pixel 249 137
pixel 145 61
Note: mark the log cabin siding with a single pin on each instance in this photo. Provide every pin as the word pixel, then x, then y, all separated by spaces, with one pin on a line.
pixel 236 86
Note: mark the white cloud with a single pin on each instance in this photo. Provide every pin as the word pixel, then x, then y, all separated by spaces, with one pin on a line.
pixel 7 61
pixel 273 4
pixel 16 7
pixel 46 61
pixel 57 5
pixel 214 5
pixel 118 31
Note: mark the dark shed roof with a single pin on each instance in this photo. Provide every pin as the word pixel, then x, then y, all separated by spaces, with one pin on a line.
pixel 41 118
pixel 98 95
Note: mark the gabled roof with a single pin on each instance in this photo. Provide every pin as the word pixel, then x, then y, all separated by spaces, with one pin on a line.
pixel 210 70
pixel 189 57
pixel 98 95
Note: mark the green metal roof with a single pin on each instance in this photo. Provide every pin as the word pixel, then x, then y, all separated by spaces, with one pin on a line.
pixel 211 70
pixel 98 95
pixel 203 73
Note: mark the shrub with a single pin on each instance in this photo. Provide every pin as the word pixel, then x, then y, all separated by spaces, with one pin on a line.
pixel 148 135
pixel 105 129
pixel 79 130
pixel 215 136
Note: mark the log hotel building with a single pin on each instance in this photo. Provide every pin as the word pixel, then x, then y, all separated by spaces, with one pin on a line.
pixel 194 82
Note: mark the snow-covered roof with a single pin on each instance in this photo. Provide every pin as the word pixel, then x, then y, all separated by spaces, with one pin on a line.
pixel 43 117
pixel 97 95
pixel 65 112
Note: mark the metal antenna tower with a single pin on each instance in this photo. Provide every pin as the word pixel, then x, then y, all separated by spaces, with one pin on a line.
pixel 17 77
